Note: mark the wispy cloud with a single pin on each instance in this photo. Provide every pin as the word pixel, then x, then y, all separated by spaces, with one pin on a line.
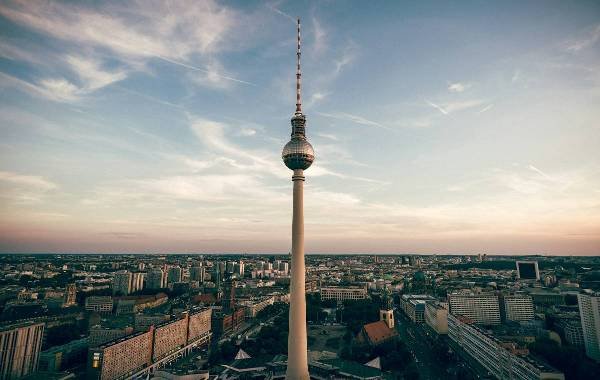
pixel 450 107
pixel 92 75
pixel 34 181
pixel 315 98
pixel 328 136
pixel 486 108
pixel 347 57
pixel 24 189
pixel 57 89
pixel 274 7
pixel 172 32
pixel 538 171
pixel 589 39
pixel 319 36
pixel 458 87
pixel 353 118
pixel 437 107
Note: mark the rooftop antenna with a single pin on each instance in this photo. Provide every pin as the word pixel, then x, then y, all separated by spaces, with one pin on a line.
pixel 298 76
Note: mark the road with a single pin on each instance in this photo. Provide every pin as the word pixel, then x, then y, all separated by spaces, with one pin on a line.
pixel 415 339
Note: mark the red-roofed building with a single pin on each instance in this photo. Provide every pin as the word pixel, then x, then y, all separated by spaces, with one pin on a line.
pixel 376 333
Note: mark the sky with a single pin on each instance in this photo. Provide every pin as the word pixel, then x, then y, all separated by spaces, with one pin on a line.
pixel 439 127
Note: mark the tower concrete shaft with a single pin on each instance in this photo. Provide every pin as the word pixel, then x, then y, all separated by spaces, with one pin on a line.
pixel 297 366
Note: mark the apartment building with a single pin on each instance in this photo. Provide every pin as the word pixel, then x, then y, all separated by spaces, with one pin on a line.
pixel 480 308
pixel 589 311
pixel 517 307
pixel 436 317
pixel 20 347
pixel 141 352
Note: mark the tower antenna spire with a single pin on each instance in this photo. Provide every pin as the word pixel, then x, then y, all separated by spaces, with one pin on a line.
pixel 298 76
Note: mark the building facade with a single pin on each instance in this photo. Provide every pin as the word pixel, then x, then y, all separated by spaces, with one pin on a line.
pixel 174 275
pixel 517 308
pixel 20 347
pixel 99 304
pixel 436 317
pixel 100 335
pixel 197 273
pixel 343 293
pixel 254 306
pixel 480 308
pixel 156 279
pixel 413 305
pixel 121 358
pixel 589 311
pixel 70 297
pixel 134 355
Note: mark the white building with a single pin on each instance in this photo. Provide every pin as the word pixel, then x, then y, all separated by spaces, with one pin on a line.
pixel 502 360
pixel 436 317
pixel 517 308
pixel 343 293
pixel 137 281
pixel 589 311
pixel 480 308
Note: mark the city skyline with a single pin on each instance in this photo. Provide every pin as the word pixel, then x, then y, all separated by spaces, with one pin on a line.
pixel 440 128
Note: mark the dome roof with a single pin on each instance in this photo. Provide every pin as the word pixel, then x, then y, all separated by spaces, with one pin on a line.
pixel 298 154
pixel 419 276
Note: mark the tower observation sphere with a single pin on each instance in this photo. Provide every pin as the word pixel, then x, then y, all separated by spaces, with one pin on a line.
pixel 298 153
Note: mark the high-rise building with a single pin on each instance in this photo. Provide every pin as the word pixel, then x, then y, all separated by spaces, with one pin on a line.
pixel 122 283
pixel 517 307
pixel 20 347
pixel 70 295
pixel 175 275
pixel 480 308
pixel 589 311
pixel 298 155
pixel 137 281
pixel 284 267
pixel 528 270
pixel 156 279
pixel 197 273
pixel 239 268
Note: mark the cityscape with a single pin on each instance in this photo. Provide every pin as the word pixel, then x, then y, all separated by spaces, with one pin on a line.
pixel 368 316
pixel 438 218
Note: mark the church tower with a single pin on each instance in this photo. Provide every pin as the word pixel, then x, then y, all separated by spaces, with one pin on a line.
pixel 386 313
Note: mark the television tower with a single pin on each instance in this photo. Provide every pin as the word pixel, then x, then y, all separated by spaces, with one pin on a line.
pixel 298 155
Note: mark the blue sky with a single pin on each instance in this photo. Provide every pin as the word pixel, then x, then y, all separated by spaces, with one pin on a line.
pixel 439 127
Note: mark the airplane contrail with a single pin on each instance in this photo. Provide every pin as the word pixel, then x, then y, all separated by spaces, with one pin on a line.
pixel 195 68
